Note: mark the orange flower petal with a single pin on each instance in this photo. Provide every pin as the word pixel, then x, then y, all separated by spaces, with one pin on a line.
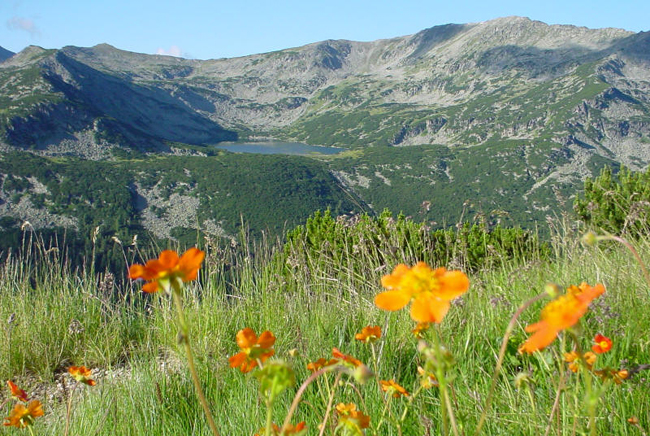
pixel 136 271
pixel 392 300
pixel 543 336
pixel 427 308
pixel 237 360
pixel 168 259
pixel 266 339
pixel 190 262
pixel 393 280
pixel 452 284
pixel 246 338
pixel 151 287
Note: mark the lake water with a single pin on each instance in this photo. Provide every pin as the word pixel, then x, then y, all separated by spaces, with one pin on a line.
pixel 276 147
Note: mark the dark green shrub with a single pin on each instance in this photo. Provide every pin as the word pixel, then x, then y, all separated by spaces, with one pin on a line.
pixel 617 203
pixel 384 240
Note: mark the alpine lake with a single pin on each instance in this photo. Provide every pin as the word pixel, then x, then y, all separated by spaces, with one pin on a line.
pixel 278 147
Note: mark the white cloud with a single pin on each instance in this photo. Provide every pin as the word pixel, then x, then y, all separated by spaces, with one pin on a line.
pixel 24 24
pixel 174 50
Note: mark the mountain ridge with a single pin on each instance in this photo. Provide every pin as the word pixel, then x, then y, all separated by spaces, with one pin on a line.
pixel 510 114
pixel 5 54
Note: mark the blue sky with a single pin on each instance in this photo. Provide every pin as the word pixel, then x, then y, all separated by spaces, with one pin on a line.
pixel 216 29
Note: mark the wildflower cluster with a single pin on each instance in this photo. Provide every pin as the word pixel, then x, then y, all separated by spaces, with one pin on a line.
pixel 24 412
pixel 602 344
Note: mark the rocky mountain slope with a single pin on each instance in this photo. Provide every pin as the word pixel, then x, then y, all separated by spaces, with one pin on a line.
pixel 5 54
pixel 509 114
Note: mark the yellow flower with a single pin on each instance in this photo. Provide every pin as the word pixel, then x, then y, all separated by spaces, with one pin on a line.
pixel 82 375
pixel 430 290
pixel 22 416
pixel 252 349
pixel 161 272
pixel 393 388
pixel 560 314
pixel 369 334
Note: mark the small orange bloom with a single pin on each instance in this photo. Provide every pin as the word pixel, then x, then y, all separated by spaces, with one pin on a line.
pixel 296 430
pixel 573 358
pixel 82 375
pixel 393 388
pixel 602 344
pixel 420 328
pixel 369 334
pixel 161 272
pixel 352 418
pixel 321 363
pixel 560 314
pixel 17 393
pixel 430 290
pixel 345 359
pixel 22 416
pixel 613 374
pixel 252 349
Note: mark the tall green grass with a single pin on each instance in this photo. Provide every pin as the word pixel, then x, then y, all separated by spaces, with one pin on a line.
pixel 313 300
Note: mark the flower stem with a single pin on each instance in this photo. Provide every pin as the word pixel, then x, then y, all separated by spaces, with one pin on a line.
pixel 502 353
pixel 585 372
pixel 184 338
pixel 269 418
pixel 329 405
pixel 68 409
pixel 446 411
pixel 301 390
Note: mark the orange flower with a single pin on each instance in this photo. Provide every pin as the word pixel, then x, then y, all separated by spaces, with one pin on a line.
pixel 344 359
pixel 393 388
pixel 369 334
pixel 573 358
pixel 168 269
pixel 295 430
pixel 602 344
pixel 82 375
pixel 22 416
pixel 351 418
pixel 420 328
pixel 17 393
pixel 252 349
pixel 613 374
pixel 560 314
pixel 431 291
pixel 321 363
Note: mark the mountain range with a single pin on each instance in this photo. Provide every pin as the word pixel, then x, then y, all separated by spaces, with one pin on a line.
pixel 501 119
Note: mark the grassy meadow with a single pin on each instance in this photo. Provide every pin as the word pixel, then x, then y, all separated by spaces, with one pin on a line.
pixel 313 296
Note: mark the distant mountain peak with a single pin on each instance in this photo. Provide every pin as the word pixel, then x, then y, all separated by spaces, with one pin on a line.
pixel 5 54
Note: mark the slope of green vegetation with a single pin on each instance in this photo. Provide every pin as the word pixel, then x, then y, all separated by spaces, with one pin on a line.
pixel 313 301
pixel 269 193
